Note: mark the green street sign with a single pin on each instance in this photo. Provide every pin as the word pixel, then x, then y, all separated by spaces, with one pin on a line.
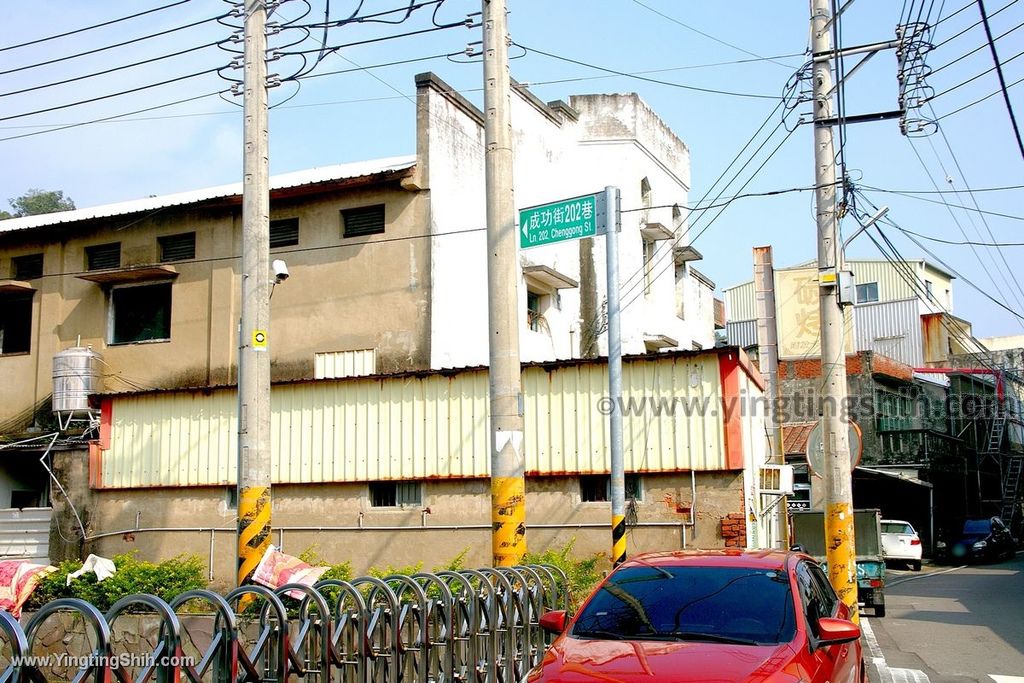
pixel 566 219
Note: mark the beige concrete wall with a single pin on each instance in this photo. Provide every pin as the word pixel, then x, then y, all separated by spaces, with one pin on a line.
pixel 343 294
pixel 553 501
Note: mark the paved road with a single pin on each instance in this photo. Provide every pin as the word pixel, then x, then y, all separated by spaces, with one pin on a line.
pixel 951 625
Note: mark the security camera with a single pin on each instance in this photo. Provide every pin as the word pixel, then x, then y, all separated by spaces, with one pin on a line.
pixel 280 271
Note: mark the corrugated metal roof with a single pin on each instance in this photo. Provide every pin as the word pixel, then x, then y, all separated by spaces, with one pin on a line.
pixel 309 176
pixel 795 436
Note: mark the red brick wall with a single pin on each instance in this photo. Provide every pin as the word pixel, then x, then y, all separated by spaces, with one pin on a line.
pixel 734 530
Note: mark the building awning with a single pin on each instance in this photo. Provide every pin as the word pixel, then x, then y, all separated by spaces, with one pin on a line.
pixel 653 231
pixel 136 274
pixel 902 476
pixel 687 253
pixel 15 287
pixel 549 277
pixel 795 436
pixel 653 342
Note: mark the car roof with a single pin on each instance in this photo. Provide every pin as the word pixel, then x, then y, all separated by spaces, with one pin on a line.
pixel 896 521
pixel 726 557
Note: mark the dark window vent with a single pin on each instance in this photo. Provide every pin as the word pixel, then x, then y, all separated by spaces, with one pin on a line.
pixel 178 247
pixel 103 256
pixel 366 220
pixel 28 267
pixel 284 233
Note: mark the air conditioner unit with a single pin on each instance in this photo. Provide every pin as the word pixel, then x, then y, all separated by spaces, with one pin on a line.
pixel 777 479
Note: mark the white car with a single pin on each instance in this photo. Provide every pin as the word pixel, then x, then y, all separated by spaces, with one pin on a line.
pixel 900 542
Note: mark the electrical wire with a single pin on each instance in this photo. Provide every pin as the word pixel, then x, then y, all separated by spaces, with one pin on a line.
pixel 973 52
pixel 943 203
pixel 976 189
pixel 644 78
pixel 974 25
pixel 1002 79
pixel 711 37
pixel 115 45
pixel 94 26
pixel 979 101
pixel 956 243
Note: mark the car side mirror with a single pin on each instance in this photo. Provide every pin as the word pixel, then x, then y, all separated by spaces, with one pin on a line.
pixel 555 621
pixel 837 631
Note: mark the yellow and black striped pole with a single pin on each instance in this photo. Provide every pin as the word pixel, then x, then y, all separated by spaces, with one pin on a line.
pixel 618 476
pixel 253 352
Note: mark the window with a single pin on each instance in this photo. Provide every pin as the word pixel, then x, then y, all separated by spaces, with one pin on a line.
pixel 366 220
pixel 597 488
pixel 15 323
pixel 284 233
pixel 390 494
pixel 648 265
pixel 140 313
pixel 177 247
pixel 534 314
pixel 928 288
pixel 867 292
pixel 26 499
pixel 103 256
pixel 27 267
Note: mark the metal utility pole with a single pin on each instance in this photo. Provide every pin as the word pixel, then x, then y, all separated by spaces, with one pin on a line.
pixel 618 478
pixel 508 466
pixel 768 361
pixel 253 357
pixel 839 529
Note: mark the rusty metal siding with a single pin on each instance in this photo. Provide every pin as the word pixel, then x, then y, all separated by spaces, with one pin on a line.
pixel 417 427
pixel 892 329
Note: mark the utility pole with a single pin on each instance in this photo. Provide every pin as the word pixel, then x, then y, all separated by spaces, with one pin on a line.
pixel 768 361
pixel 839 529
pixel 508 466
pixel 253 357
pixel 618 472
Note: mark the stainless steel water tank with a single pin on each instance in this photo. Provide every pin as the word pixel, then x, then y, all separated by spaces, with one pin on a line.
pixel 76 374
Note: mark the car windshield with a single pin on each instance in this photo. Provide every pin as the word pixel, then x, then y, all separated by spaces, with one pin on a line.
pixel 896 528
pixel 711 604
pixel 978 526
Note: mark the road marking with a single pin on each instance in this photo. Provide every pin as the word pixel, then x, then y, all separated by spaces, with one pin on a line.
pixel 1006 679
pixel 925 576
pixel 886 674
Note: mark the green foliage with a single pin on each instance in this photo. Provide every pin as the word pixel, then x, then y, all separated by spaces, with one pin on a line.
pixel 341 571
pixel 4 215
pixel 35 202
pixel 455 564
pixel 164 580
pixel 583 574
pixel 408 570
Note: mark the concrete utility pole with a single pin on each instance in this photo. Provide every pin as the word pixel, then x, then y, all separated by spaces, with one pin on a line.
pixel 253 356
pixel 618 473
pixel 768 361
pixel 839 529
pixel 508 467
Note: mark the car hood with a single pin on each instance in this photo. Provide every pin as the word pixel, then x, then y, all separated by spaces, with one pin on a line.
pixel 971 539
pixel 622 661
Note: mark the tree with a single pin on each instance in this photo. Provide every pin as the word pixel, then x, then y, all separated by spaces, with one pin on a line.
pixel 35 202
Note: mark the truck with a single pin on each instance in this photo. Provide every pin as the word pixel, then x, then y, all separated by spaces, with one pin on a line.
pixel 808 532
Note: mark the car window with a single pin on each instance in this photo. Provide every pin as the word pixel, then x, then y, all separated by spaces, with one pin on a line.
pixel 829 598
pixel 978 526
pixel 896 528
pixel 748 605
pixel 810 599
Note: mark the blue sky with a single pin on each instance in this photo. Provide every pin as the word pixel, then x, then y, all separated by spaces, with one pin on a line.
pixel 366 114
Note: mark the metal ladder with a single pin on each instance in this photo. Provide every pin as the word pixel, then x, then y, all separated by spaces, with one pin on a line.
pixel 995 437
pixel 1011 485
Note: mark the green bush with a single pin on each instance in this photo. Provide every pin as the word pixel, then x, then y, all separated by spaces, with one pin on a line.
pixel 341 571
pixel 164 579
pixel 583 574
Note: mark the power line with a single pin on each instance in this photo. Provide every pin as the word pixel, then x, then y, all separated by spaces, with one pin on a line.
pixel 974 51
pixel 89 28
pixel 977 23
pixel 110 95
pixel 115 45
pixel 943 203
pixel 963 243
pixel 711 37
pixel 1002 80
pixel 976 189
pixel 112 70
pixel 978 101
pixel 644 78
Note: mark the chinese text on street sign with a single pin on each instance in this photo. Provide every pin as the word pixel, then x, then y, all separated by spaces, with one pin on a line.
pixel 567 219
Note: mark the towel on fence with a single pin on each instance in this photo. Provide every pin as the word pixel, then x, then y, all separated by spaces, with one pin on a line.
pixel 277 569
pixel 101 566
pixel 18 579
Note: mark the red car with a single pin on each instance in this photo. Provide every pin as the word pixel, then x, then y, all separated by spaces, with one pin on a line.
pixel 727 615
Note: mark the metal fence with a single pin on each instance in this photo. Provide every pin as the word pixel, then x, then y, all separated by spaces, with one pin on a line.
pixel 479 626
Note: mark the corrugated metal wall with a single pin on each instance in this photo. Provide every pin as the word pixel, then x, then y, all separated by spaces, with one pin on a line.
pixel 423 427
pixel 25 534
pixel 741 333
pixel 739 302
pixel 892 329
pixel 338 364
